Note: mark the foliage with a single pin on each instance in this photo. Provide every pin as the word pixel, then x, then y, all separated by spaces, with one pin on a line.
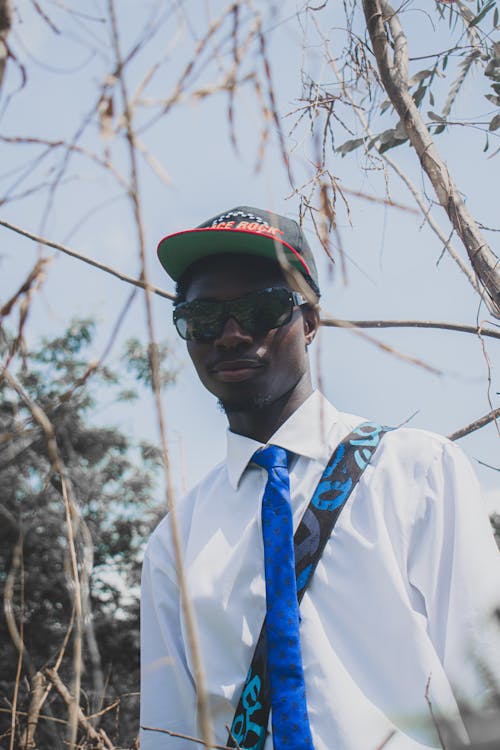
pixel 115 491
pixel 472 48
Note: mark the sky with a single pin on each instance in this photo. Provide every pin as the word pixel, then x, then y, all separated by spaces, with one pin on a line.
pixel 394 268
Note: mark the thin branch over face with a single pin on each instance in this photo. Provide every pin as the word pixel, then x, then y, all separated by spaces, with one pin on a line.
pixel 203 711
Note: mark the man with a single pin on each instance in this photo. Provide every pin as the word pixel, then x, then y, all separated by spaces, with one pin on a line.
pixel 395 623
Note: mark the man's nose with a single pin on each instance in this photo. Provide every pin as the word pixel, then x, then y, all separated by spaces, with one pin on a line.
pixel 233 335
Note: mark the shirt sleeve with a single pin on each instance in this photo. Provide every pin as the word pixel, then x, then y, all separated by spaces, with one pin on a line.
pixel 168 699
pixel 454 563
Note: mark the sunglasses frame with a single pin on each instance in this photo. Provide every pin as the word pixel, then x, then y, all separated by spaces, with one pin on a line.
pixel 295 299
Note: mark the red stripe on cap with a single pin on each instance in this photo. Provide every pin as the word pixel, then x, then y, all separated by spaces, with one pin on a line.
pixel 236 231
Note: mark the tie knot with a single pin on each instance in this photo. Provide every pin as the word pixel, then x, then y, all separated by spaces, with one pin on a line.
pixel 271 457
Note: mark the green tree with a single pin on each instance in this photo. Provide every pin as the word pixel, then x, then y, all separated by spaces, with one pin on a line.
pixel 113 483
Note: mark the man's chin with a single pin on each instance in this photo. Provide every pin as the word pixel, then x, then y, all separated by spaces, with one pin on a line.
pixel 244 404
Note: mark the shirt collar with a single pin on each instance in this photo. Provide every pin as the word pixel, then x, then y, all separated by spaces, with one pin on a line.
pixel 304 433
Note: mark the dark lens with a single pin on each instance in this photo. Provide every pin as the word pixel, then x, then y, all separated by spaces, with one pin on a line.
pixel 256 312
pixel 261 311
pixel 198 320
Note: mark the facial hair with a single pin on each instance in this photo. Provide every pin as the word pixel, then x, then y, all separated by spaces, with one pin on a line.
pixel 246 404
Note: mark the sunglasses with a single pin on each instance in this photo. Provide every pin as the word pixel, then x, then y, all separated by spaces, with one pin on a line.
pixel 256 312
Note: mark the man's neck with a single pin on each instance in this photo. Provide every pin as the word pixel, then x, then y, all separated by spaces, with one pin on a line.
pixel 261 422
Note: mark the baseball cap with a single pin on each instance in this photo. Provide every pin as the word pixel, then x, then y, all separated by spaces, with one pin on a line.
pixel 246 230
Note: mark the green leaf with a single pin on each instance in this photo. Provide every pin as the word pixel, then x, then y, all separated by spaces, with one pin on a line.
pixel 486 9
pixel 385 106
pixel 392 138
pixel 494 124
pixel 350 145
pixel 128 395
pixel 433 116
pixel 420 76
pixel 495 18
pixel 493 99
pixel 419 95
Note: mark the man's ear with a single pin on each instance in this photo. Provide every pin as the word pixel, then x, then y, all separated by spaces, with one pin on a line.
pixel 310 317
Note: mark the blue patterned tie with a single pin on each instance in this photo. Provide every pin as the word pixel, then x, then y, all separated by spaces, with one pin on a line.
pixel 288 695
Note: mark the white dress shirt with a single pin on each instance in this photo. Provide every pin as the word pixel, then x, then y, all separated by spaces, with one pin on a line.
pixel 396 620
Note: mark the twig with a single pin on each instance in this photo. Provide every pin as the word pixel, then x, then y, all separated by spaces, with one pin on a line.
pixel 273 106
pixel 5 25
pixel 42 716
pixel 38 685
pixel 179 86
pixel 199 677
pixel 34 280
pixel 488 370
pixel 71 514
pixel 380 16
pixel 104 163
pixel 387 739
pixel 185 737
pixel 327 322
pixel 100 738
pixel 478 330
pixel 74 254
pixel 431 711
pixel 476 425
pixel 17 563
pixel 403 176
pixel 385 347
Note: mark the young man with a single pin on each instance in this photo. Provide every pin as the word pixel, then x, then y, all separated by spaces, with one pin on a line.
pixel 395 624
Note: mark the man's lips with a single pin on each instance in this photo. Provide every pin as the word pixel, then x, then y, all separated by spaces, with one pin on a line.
pixel 232 370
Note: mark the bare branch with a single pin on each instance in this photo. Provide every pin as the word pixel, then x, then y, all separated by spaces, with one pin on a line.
pixel 393 72
pixel 193 640
pixel 476 425
pixel 99 738
pixel 38 694
pixel 184 737
pixel 477 330
pixel 86 259
pixel 385 347
pixel 34 277
pixel 5 24
pixel 72 516
pixel 17 564
pixel 403 176
pixel 70 147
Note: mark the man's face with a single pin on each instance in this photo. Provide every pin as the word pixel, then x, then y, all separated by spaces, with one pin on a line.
pixel 244 371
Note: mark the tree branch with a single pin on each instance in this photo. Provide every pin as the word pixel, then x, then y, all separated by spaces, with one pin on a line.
pixel 99 738
pixel 476 425
pixel 478 330
pixel 203 709
pixel 393 72
pixel 327 322
pixel 5 25
pixel 74 254
pixel 425 209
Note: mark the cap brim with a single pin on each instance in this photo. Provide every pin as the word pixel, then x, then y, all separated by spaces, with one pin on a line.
pixel 179 251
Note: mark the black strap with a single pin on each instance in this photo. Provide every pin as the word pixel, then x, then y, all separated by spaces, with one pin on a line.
pixel 342 473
